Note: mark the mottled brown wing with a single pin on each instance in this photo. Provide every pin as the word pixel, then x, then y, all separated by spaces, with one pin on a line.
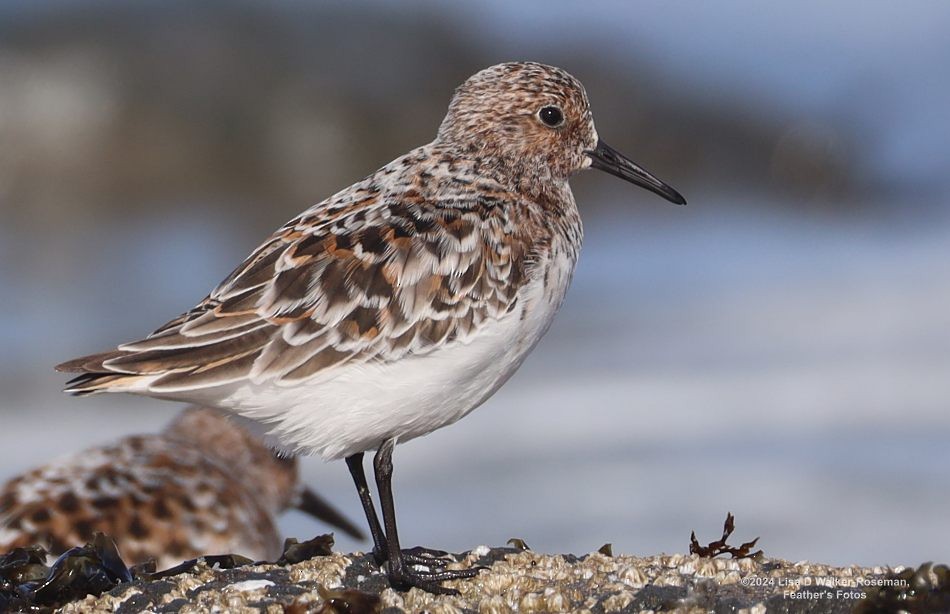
pixel 370 282
pixel 157 497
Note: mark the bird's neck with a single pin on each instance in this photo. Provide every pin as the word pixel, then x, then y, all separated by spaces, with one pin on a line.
pixel 529 177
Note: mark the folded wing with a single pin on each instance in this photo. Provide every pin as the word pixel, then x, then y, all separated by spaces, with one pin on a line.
pixel 368 282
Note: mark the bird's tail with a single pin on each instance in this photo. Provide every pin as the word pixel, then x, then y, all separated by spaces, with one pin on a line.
pixel 95 377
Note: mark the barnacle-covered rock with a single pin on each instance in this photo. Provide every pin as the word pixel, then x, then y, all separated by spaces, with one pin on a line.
pixel 309 578
pixel 527 581
pixel 925 589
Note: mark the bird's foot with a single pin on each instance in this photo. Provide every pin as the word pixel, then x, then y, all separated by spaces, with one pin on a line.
pixel 415 556
pixel 426 556
pixel 425 568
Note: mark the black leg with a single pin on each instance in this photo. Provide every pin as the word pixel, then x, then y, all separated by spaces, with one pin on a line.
pixel 401 575
pixel 355 464
pixel 416 556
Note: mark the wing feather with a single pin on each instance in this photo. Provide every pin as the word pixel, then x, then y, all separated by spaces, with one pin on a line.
pixel 372 282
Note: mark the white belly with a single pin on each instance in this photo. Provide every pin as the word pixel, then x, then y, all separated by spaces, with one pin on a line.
pixel 364 404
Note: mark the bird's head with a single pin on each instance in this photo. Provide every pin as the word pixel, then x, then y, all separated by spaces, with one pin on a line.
pixel 536 120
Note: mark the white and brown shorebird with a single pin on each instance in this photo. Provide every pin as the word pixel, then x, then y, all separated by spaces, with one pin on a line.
pixel 401 303
pixel 204 485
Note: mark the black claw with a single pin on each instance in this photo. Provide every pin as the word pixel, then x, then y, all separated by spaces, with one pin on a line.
pixel 429 553
pixel 450 574
pixel 415 556
pixel 429 581
pixel 407 581
pixel 404 573
pixel 407 573
pixel 427 557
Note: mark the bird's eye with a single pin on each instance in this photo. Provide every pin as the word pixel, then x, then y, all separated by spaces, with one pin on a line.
pixel 551 116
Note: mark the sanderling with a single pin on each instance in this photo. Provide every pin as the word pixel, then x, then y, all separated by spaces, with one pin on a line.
pixel 401 303
pixel 203 486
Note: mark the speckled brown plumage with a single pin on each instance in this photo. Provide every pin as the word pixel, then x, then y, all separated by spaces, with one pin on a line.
pixel 400 304
pixel 369 275
pixel 202 486
pixel 422 255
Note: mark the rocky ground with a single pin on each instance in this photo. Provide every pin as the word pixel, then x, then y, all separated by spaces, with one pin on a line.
pixel 526 581
pixel 310 577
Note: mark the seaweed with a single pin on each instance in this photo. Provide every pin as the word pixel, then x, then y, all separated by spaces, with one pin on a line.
pixel 296 552
pixel 221 561
pixel 23 565
pixel 27 583
pixel 714 549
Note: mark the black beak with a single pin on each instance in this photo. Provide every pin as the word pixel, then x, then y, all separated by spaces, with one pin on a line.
pixel 309 502
pixel 606 158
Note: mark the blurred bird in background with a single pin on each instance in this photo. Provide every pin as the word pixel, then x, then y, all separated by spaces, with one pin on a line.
pixel 204 485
